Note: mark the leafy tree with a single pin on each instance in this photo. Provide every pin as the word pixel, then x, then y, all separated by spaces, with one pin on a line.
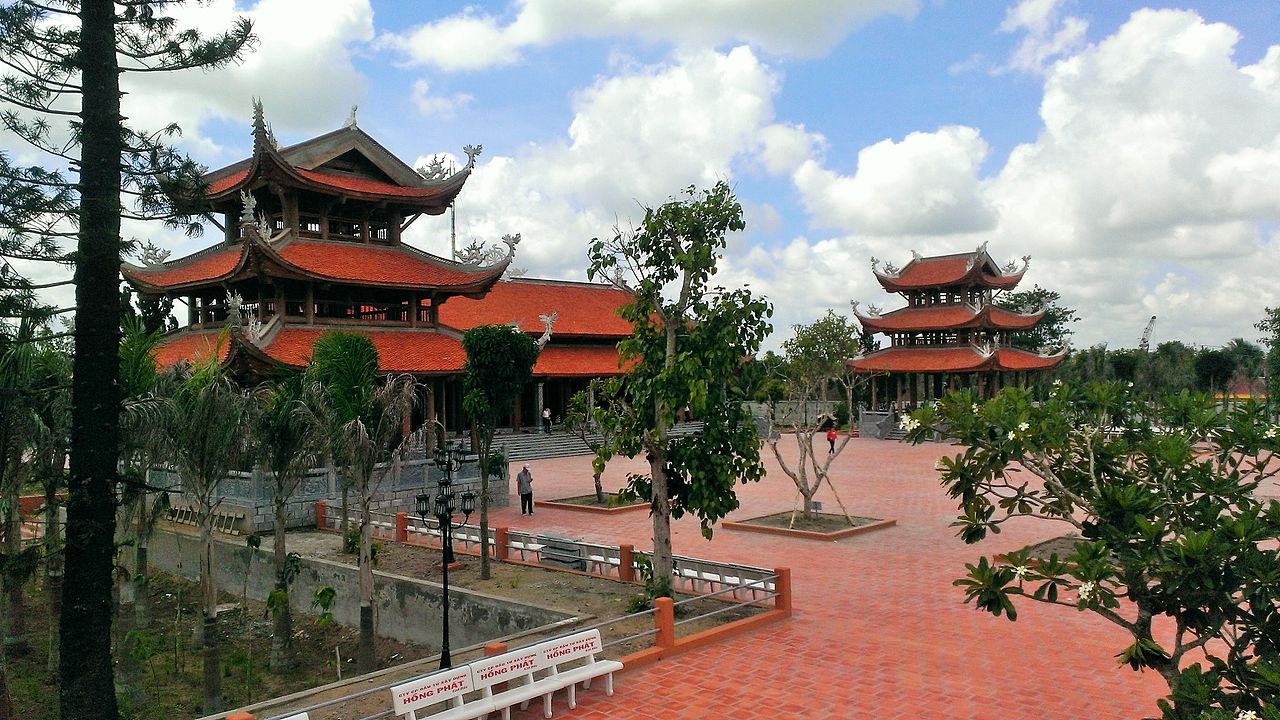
pixel 684 347
pixel 287 444
pixel 1054 329
pixel 499 364
pixel 580 420
pixel 365 420
pixel 1175 550
pixel 1270 326
pixel 1213 369
pixel 1171 368
pixel 206 435
pixel 817 354
pixel 61 87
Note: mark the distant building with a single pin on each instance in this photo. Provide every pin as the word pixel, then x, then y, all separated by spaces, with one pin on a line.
pixel 312 242
pixel 950 335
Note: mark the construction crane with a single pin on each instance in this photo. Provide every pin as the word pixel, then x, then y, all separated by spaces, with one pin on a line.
pixel 1145 345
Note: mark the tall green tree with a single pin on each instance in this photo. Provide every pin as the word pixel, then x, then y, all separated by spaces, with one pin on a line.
pixel 499 364
pixel 689 337
pixel 1269 325
pixel 61 89
pixel 366 420
pixel 1214 369
pixel 1175 550
pixel 206 433
pixel 287 444
pixel 1054 329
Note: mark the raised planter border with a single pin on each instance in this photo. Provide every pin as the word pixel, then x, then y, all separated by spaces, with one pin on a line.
pixel 590 508
pixel 807 534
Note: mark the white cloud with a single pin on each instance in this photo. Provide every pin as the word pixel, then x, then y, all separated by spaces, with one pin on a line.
pixel 301 68
pixel 474 40
pixel 634 140
pixel 925 184
pixel 1048 34
pixel 1150 188
pixel 440 106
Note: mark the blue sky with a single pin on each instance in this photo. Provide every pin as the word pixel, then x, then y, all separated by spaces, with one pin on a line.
pixel 1132 149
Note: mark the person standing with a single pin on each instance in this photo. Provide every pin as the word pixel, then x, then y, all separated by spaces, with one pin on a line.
pixel 524 486
pixel 546 420
pixel 831 439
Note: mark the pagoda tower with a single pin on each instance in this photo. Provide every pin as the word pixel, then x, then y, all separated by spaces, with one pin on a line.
pixel 950 334
pixel 312 242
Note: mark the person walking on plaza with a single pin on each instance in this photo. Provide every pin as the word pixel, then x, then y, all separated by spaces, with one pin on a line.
pixel 546 420
pixel 831 439
pixel 524 486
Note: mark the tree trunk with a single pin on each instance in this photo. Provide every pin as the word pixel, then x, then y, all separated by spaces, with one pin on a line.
pixel 6 704
pixel 485 444
pixel 142 598
pixel 15 625
pixel 595 477
pixel 87 690
pixel 209 604
pixel 344 525
pixel 282 632
pixel 53 574
pixel 365 655
pixel 662 563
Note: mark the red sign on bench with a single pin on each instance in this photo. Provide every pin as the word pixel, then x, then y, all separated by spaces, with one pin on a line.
pixel 441 686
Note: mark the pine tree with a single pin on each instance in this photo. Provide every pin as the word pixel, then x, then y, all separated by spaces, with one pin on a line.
pixel 62 61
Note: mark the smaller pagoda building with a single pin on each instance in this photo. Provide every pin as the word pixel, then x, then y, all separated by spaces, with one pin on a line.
pixel 950 335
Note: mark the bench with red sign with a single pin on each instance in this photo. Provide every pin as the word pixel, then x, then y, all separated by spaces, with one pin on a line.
pixel 530 672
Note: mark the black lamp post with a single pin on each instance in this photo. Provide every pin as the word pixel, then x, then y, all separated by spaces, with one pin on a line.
pixel 442 507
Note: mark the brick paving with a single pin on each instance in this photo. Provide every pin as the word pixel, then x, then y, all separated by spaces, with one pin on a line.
pixel 879 631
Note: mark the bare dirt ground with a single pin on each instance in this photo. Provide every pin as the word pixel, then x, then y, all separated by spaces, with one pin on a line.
pixel 820 522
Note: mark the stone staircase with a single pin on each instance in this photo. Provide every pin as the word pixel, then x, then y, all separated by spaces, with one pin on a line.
pixel 539 445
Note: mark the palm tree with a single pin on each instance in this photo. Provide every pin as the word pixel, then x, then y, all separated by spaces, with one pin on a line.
pixel 206 435
pixel 366 427
pixel 288 445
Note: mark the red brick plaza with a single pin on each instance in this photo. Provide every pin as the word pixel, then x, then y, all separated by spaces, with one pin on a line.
pixel 879 630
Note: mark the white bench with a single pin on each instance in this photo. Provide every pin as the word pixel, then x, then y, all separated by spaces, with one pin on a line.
pixel 599 562
pixel 523 547
pixel 447 686
pixel 520 669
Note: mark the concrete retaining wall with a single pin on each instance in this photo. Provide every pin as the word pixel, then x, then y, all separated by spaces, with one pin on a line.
pixel 405 609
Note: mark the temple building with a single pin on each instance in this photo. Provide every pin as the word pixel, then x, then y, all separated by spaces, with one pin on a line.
pixel 312 241
pixel 950 335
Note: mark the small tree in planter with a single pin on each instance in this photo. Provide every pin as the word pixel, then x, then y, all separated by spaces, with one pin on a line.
pixel 499 362
pixel 578 421
pixel 816 356
pixel 1162 495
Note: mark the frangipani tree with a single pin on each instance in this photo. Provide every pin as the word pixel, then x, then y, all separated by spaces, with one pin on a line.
pixel 817 355
pixel 1175 548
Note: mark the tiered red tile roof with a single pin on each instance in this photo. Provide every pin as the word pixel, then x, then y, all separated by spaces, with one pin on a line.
pixel 948 317
pixel 577 361
pixel 411 351
pixel 349 262
pixel 907 359
pixel 962 269
pixel 190 346
pixel 583 310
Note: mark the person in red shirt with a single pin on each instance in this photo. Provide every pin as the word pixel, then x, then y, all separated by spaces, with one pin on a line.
pixel 831 439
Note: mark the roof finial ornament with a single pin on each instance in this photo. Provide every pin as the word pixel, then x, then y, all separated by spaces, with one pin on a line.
pixel 261 137
pixel 854 304
pixel 264 226
pixel 1026 262
pixel 433 170
pixel 982 248
pixel 351 117
pixel 472 151
pixel 916 256
pixel 234 303
pixel 547 322
pixel 511 241
pixel 873 311
pixel 250 205
pixel 875 262
pixel 891 270
pixel 152 255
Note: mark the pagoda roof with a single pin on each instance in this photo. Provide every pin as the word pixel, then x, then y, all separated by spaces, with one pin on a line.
pixel 582 309
pixel 948 317
pixel 397 266
pixel 418 352
pixel 917 359
pixel 310 165
pixel 940 271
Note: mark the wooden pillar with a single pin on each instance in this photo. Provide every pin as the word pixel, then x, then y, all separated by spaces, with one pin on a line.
pixel 875 382
pixel 192 314
pixel 444 402
pixel 413 307
pixel 310 309
pixel 393 229
pixel 911 390
pixel 430 406
pixel 539 402
pixel 324 222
